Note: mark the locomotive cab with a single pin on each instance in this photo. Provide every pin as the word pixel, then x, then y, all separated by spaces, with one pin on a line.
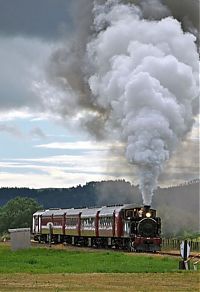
pixel 135 215
pixel 138 213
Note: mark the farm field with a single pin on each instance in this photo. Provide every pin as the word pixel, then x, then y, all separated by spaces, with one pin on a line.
pixel 79 270
pixel 153 282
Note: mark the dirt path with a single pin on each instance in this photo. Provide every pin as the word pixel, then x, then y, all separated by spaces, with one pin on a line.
pixel 187 281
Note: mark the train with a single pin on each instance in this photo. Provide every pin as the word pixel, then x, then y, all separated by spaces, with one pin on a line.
pixel 128 226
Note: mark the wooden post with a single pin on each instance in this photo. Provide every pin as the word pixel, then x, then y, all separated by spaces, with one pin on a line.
pixel 185 255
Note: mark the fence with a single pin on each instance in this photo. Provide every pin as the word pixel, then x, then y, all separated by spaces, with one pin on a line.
pixel 175 244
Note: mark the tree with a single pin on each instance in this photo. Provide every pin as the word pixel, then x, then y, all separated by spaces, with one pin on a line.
pixel 17 213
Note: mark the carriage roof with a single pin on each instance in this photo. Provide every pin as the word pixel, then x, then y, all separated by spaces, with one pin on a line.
pixel 87 212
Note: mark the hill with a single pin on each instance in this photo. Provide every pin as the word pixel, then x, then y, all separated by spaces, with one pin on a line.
pixel 178 206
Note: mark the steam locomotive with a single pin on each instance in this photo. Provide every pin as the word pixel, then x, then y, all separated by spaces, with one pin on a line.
pixel 121 226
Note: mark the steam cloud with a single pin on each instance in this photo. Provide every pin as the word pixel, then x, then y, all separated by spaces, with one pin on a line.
pixel 132 79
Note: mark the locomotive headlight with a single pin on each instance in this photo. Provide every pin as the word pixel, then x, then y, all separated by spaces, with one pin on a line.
pixel 148 215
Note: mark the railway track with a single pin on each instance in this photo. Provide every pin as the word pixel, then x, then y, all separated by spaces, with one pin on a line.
pixel 173 253
pixel 177 254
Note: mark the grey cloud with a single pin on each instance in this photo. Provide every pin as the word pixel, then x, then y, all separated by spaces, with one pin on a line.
pixel 154 9
pixel 14 130
pixel 184 164
pixel 11 129
pixel 182 8
pixel 44 18
pixel 22 61
pixel 37 132
pixel 179 9
pixel 50 18
pixel 185 11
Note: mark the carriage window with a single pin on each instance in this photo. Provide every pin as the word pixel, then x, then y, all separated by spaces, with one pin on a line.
pixel 36 220
pixel 106 222
pixel 71 221
pixel 127 227
pixel 88 222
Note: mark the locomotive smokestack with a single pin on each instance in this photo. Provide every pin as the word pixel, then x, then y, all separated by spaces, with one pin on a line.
pixel 146 208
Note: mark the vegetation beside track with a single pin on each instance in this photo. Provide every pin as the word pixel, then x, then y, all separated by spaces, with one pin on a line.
pixel 43 260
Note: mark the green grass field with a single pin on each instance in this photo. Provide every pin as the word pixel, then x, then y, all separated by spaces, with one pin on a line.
pixel 43 260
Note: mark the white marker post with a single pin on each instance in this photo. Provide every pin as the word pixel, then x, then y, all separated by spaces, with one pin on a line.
pixel 50 233
pixel 185 252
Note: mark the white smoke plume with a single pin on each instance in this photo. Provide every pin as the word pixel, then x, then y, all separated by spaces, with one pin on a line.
pixel 135 81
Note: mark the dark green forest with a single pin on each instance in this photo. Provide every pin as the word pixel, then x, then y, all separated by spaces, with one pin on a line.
pixel 178 206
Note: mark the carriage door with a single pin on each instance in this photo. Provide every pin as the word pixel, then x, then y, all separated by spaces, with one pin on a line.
pixel 133 228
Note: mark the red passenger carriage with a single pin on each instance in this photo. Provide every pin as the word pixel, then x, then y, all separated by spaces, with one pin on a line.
pixel 125 226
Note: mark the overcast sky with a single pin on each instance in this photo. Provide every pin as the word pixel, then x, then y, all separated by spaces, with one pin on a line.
pixel 39 149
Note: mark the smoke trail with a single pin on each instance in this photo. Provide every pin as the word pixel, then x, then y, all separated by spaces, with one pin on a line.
pixel 135 81
pixel 147 79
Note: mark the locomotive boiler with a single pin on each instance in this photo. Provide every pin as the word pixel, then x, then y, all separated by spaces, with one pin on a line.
pixel 128 226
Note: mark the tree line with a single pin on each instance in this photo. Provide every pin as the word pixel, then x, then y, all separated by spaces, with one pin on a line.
pixel 177 206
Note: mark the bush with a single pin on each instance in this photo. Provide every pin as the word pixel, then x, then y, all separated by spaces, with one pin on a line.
pixel 17 213
pixel 4 237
